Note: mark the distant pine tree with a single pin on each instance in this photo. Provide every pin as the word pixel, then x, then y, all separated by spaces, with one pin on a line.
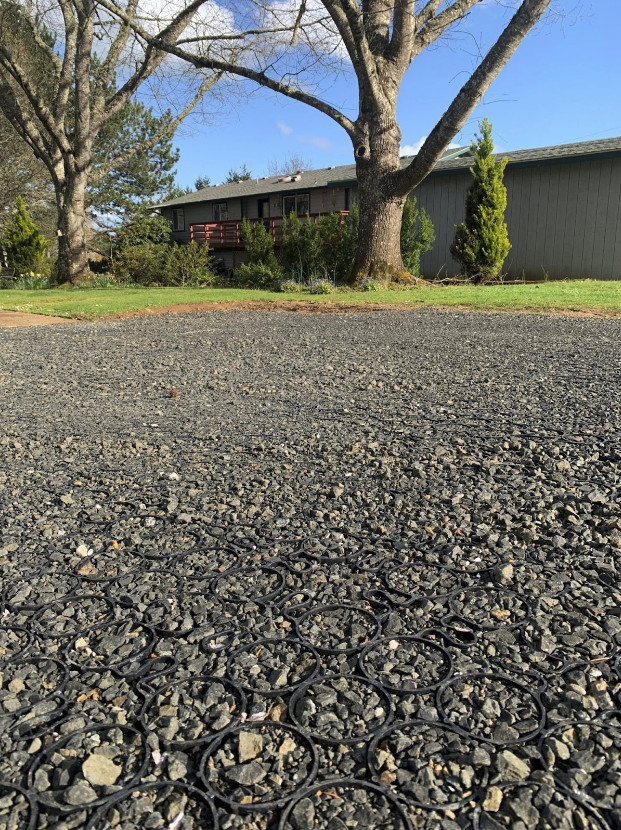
pixel 24 245
pixel 481 243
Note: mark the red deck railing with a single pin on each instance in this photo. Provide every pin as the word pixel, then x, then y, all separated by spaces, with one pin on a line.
pixel 229 235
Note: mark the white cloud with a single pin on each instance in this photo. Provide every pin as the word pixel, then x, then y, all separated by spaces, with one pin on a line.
pixel 316 141
pixel 412 149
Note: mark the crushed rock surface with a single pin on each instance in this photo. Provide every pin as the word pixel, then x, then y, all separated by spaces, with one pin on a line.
pixel 422 509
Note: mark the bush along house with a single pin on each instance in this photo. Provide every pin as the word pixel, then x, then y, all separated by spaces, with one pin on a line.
pixel 563 209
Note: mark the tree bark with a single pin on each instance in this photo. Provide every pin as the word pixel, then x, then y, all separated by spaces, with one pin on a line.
pixel 379 231
pixel 377 144
pixel 72 223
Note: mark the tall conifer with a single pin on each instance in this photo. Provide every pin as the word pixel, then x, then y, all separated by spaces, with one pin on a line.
pixel 24 245
pixel 481 243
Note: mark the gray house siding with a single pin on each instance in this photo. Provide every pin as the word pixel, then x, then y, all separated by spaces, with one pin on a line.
pixel 563 219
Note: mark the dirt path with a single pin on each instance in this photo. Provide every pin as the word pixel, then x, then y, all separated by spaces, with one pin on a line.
pixel 20 319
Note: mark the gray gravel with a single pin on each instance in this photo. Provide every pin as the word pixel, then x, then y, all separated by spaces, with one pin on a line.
pixel 372 548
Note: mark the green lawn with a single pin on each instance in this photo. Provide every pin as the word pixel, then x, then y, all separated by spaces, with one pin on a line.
pixel 92 304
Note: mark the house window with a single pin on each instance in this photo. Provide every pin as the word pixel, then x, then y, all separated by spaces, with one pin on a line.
pixel 178 219
pixel 220 212
pixel 288 205
pixel 299 204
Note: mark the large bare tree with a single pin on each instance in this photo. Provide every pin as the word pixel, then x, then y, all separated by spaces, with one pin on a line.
pixel 59 61
pixel 378 40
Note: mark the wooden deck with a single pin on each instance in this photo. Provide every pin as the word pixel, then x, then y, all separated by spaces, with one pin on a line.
pixel 229 234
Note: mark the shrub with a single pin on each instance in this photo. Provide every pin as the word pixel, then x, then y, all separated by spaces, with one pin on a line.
pixel 259 244
pixel 194 265
pixel 290 287
pixel 146 230
pixel 25 247
pixel 256 275
pixel 27 282
pixel 338 236
pixel 481 243
pixel 369 284
pixel 417 235
pixel 300 252
pixel 320 286
pixel 149 264
pixel 105 280
pixel 164 263
pixel 387 275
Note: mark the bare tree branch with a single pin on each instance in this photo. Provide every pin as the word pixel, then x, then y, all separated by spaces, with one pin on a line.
pixel 438 24
pixel 528 14
pixel 228 67
pixel 404 25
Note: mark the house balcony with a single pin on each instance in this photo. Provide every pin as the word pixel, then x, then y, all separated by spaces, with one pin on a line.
pixel 229 234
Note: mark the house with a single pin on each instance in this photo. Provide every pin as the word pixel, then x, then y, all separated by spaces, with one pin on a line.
pixel 214 214
pixel 563 209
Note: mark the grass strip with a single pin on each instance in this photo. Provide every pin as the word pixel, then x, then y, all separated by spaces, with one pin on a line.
pixel 592 296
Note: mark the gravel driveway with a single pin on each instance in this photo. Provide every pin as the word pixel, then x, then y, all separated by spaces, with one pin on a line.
pixel 302 571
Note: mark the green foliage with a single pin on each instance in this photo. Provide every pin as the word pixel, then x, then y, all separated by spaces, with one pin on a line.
pixel 24 245
pixel 241 175
pixel 386 275
pixel 320 286
pixel 146 230
pixel 481 243
pixel 21 173
pixel 417 235
pixel 369 284
pixel 300 252
pixel 165 264
pixel 195 265
pixel 202 182
pixel 338 237
pixel 325 247
pixel 259 244
pixel 144 253
pixel 27 282
pixel 105 280
pixel 174 192
pixel 149 264
pixel 143 178
pixel 256 275
pixel 290 287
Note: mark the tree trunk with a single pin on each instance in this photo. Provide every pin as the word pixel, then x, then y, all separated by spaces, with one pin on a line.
pixel 380 203
pixel 379 232
pixel 72 252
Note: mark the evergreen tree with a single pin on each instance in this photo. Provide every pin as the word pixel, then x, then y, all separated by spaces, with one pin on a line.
pixel 417 235
pixel 481 243
pixel 22 174
pixel 141 178
pixel 241 175
pixel 338 236
pixel 202 182
pixel 259 244
pixel 300 250
pixel 24 245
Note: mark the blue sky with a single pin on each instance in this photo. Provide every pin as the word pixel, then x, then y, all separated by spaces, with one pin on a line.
pixel 562 85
